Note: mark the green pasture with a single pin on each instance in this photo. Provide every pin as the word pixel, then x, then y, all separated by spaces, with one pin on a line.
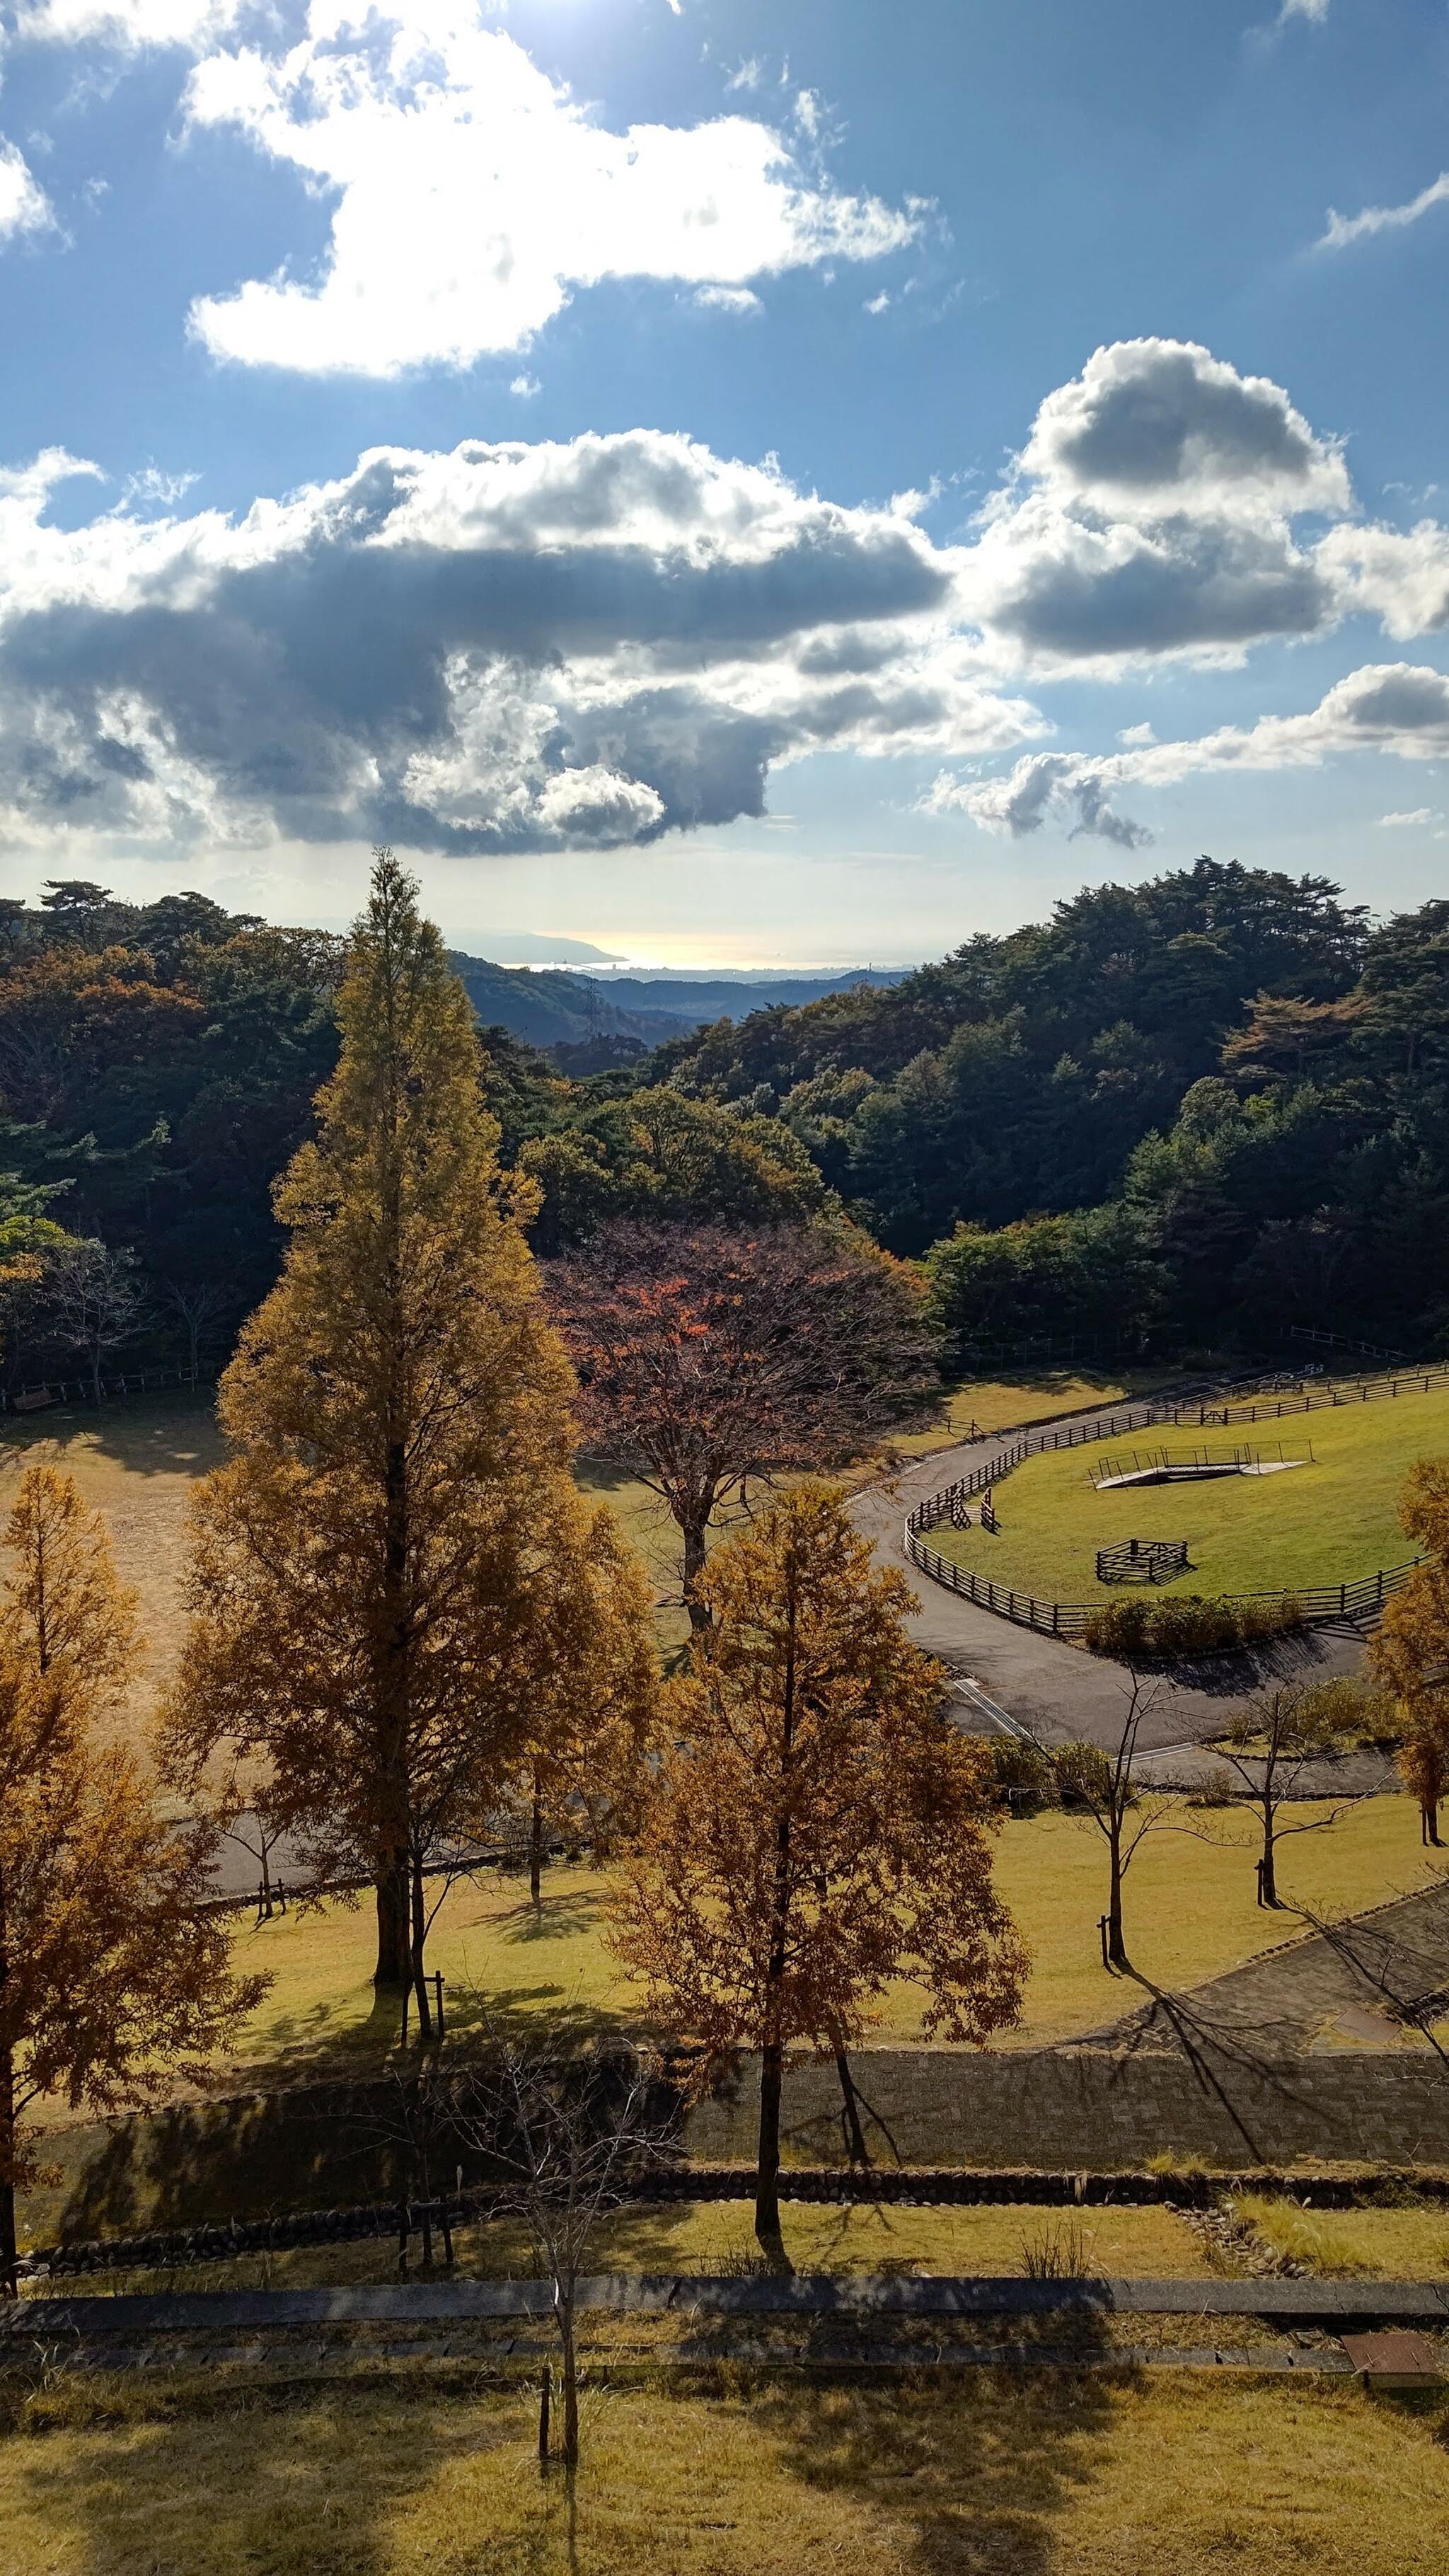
pixel 1327 1522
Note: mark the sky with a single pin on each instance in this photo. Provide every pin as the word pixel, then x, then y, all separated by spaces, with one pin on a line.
pixel 740 483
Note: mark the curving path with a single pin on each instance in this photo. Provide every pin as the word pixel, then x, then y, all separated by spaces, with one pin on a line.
pixel 1057 1691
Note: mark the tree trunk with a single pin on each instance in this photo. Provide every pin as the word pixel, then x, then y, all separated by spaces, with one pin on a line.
pixel 570 2386
pixel 417 1947
pixel 850 2104
pixel 394 1940
pixel 767 2165
pixel 535 1847
pixel 1116 1946
pixel 9 2280
pixel 1429 1822
pixel 694 1560
pixel 1270 1863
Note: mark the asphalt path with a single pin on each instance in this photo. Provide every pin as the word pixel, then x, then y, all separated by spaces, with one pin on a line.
pixel 1016 1681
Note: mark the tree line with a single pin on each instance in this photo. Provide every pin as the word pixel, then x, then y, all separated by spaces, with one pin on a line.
pixel 1211 1106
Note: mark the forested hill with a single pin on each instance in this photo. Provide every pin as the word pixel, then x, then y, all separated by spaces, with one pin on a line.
pixel 1207 1107
pixel 551 1007
pixel 1229 1089
pixel 1020 1072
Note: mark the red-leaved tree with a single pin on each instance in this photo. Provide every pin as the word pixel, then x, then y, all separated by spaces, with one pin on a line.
pixel 708 1357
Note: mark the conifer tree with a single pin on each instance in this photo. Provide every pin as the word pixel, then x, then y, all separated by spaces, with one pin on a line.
pixel 819 1828
pixel 371 1587
pixel 593 1700
pixel 108 1975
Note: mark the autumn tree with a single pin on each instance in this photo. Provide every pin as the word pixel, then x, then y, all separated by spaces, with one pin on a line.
pixel 108 1974
pixel 593 1699
pixel 377 1564
pixel 1409 1653
pixel 1108 1785
pixel 1272 1742
pixel 709 1359
pixel 818 1828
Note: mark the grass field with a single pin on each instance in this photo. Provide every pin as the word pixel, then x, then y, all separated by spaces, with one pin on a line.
pixel 136 1463
pixel 992 2474
pixel 710 2236
pixel 1003 1403
pixel 1388 2244
pixel 1190 1915
pixel 1324 1523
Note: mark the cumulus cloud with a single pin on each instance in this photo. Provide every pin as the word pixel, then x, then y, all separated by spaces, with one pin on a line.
pixel 1151 512
pixel 24 206
pixel 508 647
pixel 1343 229
pixel 473 195
pixel 1406 822
pixel 1400 708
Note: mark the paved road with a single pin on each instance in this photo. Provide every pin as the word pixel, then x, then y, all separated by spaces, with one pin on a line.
pixel 1060 1692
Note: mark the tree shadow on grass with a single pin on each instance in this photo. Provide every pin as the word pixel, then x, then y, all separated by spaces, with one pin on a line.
pixel 206 2480
pixel 975 2466
pixel 156 1435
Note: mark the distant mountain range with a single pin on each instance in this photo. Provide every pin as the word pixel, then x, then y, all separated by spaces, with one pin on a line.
pixel 552 1008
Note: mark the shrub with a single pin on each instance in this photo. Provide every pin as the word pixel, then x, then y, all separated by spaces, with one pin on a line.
pixel 1187 1623
pixel 1020 1772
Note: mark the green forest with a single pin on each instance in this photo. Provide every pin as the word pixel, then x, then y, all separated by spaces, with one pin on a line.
pixel 1209 1108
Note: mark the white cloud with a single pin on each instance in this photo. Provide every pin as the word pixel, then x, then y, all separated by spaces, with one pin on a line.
pixel 513 646
pixel 748 75
pixel 1399 708
pixel 24 205
pixel 1315 11
pixel 153 488
pixel 473 195
pixel 1151 513
pixel 1422 814
pixel 129 25
pixel 525 386
pixel 1343 229
pixel 1136 736
pixel 878 303
pixel 727 299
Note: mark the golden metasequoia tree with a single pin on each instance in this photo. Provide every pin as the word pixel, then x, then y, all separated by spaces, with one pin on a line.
pixel 818 1828
pixel 108 1975
pixel 374 1574
pixel 593 1701
pixel 1409 1653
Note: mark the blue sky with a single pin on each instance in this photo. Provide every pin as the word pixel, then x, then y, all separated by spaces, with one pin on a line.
pixel 723 480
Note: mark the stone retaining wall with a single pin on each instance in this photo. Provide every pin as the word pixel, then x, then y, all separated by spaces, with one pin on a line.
pixel 1092 2108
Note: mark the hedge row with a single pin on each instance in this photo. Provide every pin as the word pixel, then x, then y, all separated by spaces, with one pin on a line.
pixel 1187 1623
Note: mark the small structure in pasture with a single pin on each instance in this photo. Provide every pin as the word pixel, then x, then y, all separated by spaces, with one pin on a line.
pixel 1142 1560
pixel 1188 1466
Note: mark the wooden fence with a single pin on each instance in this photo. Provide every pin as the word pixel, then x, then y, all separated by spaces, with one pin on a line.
pixel 80 1390
pixel 1321 1604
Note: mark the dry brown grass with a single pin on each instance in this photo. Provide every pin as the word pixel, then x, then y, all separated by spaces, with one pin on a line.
pixel 136 1463
pixel 1048 2475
